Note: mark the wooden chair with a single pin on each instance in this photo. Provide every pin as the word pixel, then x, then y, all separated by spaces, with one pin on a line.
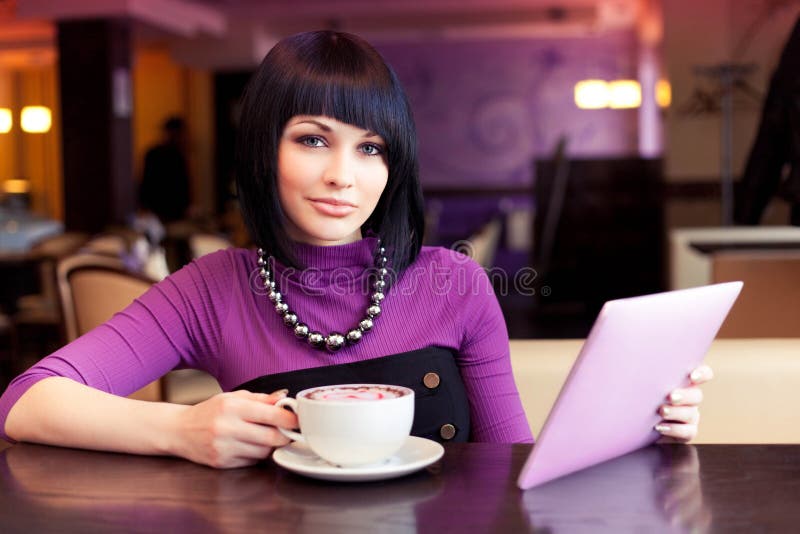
pixel 94 287
pixel 107 244
pixel 769 305
pixel 46 254
pixel 36 320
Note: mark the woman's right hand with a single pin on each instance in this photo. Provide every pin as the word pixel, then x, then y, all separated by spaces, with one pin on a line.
pixel 232 429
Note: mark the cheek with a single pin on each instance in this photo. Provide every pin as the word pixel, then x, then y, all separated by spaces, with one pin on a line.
pixel 291 181
pixel 375 190
pixel 294 170
pixel 379 183
pixel 288 192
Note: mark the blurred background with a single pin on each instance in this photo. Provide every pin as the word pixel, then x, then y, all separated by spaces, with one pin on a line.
pixel 581 150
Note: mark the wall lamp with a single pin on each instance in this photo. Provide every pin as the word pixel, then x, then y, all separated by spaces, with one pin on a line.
pixel 36 119
pixel 617 94
pixel 33 119
pixel 6 120
pixel 592 94
pixel 624 94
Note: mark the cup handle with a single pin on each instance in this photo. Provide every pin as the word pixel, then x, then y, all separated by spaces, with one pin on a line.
pixel 291 434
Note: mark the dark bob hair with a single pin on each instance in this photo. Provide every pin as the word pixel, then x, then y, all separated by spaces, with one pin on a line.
pixel 337 75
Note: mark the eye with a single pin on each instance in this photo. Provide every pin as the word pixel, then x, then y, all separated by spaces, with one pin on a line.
pixel 372 149
pixel 312 141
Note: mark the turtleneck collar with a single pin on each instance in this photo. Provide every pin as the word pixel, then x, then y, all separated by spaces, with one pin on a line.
pixel 324 258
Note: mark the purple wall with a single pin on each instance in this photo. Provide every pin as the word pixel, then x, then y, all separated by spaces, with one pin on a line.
pixel 485 108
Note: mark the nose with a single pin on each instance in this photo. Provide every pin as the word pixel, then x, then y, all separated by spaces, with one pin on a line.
pixel 341 170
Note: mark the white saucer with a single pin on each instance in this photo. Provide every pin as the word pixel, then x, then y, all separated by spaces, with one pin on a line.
pixel 415 454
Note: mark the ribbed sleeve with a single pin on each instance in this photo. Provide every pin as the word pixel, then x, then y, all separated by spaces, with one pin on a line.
pixel 175 324
pixel 214 315
pixel 484 357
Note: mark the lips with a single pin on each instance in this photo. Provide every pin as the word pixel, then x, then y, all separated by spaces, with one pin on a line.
pixel 333 207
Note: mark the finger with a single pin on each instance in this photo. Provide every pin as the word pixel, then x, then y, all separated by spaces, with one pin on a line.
pixel 257 434
pixel 691 396
pixel 269 398
pixel 679 414
pixel 701 375
pixel 227 451
pixel 679 431
pixel 250 450
pixel 235 463
pixel 267 414
pixel 245 454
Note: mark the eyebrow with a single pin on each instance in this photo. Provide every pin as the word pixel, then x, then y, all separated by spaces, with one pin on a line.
pixel 325 128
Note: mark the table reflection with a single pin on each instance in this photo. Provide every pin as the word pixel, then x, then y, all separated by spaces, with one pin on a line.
pixel 471 489
pixel 652 489
pixel 91 489
pixel 108 491
pixel 391 506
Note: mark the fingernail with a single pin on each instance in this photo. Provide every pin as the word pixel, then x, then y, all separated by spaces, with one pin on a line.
pixel 280 392
pixel 665 411
pixel 662 428
pixel 675 397
pixel 696 375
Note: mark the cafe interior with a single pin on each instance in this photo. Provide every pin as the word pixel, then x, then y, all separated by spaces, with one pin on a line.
pixel 579 150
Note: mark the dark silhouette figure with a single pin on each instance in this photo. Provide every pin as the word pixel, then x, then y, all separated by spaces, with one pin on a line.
pixel 777 143
pixel 165 181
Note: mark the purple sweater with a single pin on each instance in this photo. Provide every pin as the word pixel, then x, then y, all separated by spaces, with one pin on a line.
pixel 213 315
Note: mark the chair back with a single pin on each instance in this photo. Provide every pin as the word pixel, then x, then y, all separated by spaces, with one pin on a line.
pixel 92 289
pixel 46 253
pixel 60 245
pixel 107 245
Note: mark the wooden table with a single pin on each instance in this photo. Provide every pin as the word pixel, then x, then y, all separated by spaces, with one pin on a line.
pixel 472 489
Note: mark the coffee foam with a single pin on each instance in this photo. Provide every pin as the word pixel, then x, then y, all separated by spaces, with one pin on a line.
pixel 355 394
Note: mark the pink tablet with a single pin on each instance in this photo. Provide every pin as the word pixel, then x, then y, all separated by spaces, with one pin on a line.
pixel 639 350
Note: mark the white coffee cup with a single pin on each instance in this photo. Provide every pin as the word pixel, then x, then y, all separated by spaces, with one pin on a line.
pixel 352 425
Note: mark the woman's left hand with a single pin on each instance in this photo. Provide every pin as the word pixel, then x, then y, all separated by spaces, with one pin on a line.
pixel 681 413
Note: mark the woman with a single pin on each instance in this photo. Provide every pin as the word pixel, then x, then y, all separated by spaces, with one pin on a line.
pixel 341 292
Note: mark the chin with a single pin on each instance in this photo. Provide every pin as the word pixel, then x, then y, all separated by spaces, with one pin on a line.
pixel 314 228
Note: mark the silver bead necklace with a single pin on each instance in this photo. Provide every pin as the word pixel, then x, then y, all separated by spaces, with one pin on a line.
pixel 335 340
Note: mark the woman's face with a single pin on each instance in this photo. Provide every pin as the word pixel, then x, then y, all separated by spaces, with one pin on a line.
pixel 330 177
